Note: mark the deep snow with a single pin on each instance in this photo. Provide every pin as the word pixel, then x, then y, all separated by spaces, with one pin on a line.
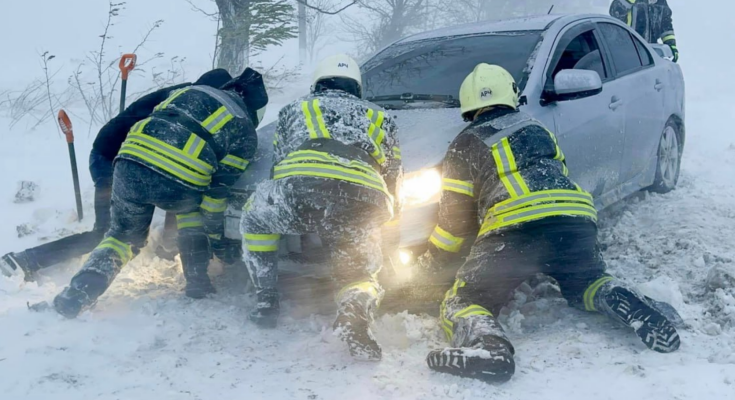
pixel 145 340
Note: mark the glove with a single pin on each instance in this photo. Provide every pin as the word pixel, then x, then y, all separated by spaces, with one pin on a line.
pixel 674 49
pixel 226 250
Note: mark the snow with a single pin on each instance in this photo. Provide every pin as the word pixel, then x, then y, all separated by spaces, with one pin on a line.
pixel 146 340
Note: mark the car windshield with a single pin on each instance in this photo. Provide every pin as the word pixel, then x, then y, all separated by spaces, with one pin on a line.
pixel 426 73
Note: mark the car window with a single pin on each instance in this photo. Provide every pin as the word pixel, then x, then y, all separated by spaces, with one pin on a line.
pixel 623 49
pixel 582 53
pixel 643 52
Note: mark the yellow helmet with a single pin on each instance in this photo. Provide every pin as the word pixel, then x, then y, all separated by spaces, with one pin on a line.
pixel 488 85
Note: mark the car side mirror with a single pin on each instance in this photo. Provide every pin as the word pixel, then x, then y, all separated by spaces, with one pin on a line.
pixel 574 84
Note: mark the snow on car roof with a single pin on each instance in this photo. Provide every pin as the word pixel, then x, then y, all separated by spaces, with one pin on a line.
pixel 529 23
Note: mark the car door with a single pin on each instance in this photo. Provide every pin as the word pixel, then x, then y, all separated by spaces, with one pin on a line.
pixel 590 130
pixel 643 102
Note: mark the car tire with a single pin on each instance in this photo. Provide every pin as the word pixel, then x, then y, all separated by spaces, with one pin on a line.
pixel 668 166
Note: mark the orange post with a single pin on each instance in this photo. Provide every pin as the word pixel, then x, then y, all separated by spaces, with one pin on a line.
pixel 66 127
pixel 127 64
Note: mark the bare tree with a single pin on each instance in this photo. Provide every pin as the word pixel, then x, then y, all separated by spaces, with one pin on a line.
pixel 317 27
pixel 384 22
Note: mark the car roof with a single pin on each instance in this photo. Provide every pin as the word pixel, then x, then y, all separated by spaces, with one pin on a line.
pixel 528 23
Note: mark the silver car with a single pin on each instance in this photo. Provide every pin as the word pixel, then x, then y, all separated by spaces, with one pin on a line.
pixel 615 103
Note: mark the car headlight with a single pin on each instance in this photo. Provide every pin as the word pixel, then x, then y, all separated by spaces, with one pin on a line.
pixel 421 187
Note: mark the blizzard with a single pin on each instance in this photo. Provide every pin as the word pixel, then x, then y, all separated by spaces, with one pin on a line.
pixel 146 340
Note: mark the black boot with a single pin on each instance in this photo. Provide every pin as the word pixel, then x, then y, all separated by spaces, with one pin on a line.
pixel 490 360
pixel 198 284
pixel 353 327
pixel 633 310
pixel 81 294
pixel 11 263
pixel 266 311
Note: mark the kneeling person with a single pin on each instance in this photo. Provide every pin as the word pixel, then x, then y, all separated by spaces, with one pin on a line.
pixel 505 177
pixel 336 170
pixel 182 159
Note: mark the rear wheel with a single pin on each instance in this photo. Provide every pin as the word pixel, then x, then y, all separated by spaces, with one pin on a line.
pixel 669 160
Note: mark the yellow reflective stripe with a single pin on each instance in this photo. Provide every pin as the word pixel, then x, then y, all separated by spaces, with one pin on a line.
pixel 378 154
pixel 324 157
pixel 362 286
pixel 320 120
pixel 494 222
pixel 447 324
pixel 559 154
pixel 190 220
pixel 194 145
pixel 373 181
pixel 667 38
pixel 397 153
pixel 171 98
pixel 213 205
pixel 445 240
pixel 165 164
pixel 261 242
pixel 310 125
pixel 472 310
pixel 171 152
pixel 122 249
pixel 589 294
pixel 393 223
pixel 508 169
pixel 215 237
pixel 235 162
pixel 215 122
pixel 544 196
pixel 630 17
pixel 457 186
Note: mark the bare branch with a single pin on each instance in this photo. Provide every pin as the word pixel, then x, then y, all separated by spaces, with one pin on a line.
pixel 194 7
pixel 324 11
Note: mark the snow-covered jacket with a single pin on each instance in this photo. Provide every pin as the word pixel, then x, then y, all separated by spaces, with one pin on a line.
pixel 503 170
pixel 652 19
pixel 333 135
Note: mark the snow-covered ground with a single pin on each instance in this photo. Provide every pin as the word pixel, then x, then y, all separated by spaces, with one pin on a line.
pixel 145 340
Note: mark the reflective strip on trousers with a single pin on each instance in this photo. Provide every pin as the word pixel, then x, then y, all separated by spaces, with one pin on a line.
pixel 591 292
pixel 311 155
pixel 235 162
pixel 446 324
pixel 194 146
pixel 508 170
pixel 315 120
pixel 215 122
pixel 261 242
pixel 545 196
pixel 166 165
pixel 472 311
pixel 190 220
pixel 123 250
pixel 171 98
pixel 445 240
pixel 457 186
pixel 213 205
pixel 169 151
pixel 537 212
pixel 369 287
pixel 330 171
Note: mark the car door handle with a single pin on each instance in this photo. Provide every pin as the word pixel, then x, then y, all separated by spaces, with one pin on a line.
pixel 615 103
pixel 659 85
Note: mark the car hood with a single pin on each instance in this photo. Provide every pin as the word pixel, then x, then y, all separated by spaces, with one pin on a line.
pixel 424 135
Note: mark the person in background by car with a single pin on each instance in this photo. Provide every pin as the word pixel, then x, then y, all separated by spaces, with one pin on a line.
pixel 106 147
pixel 337 170
pixel 183 159
pixel 652 19
pixel 505 188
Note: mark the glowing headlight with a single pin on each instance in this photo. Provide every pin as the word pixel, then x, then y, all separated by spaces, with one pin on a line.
pixel 421 187
pixel 405 257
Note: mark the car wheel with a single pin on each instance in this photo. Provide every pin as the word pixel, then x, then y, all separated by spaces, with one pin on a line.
pixel 669 160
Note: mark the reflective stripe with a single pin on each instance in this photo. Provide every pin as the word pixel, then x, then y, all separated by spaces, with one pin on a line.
pixel 397 153
pixel 161 162
pixel 630 18
pixel 508 170
pixel 363 286
pixel 541 197
pixel 445 240
pixel 213 205
pixel 446 323
pixel 473 310
pixel 177 155
pixel 320 119
pixel 215 122
pixel 235 162
pixel 223 98
pixel 456 186
pixel 494 222
pixel 665 38
pixel 377 134
pixel 215 237
pixel 261 242
pixel 190 220
pixel 171 98
pixel 589 294
pixel 330 171
pixel 122 249
pixel 311 123
pixel 378 154
pixel 194 145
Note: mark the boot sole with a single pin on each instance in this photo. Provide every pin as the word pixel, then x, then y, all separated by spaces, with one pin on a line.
pixel 493 368
pixel 650 325
pixel 359 339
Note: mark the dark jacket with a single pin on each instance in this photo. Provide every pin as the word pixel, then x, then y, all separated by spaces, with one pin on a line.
pixel 651 20
pixel 358 142
pixel 502 171
pixel 113 133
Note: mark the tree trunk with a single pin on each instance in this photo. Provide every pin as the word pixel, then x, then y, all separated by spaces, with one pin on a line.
pixel 234 51
pixel 302 33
